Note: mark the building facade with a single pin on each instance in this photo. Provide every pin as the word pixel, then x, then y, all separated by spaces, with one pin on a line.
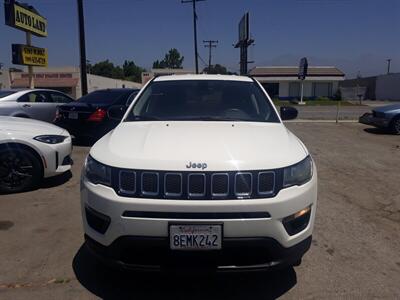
pixel 67 80
pixel 4 79
pixel 281 82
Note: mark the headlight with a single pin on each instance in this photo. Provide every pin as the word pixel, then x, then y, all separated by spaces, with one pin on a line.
pixel 50 139
pixel 299 173
pixel 96 172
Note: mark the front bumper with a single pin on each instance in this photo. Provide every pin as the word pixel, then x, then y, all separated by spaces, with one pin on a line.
pixel 264 234
pixel 238 254
pixel 370 119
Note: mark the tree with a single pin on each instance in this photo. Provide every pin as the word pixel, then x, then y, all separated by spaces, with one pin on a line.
pixel 132 71
pixel 172 60
pixel 216 69
pixel 128 71
pixel 103 68
pixel 117 73
pixel 159 64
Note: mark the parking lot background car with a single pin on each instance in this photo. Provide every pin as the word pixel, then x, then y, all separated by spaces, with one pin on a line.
pixel 87 117
pixel 29 151
pixel 387 117
pixel 196 154
pixel 39 104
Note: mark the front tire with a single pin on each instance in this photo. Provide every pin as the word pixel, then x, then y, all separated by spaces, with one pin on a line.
pixel 20 170
pixel 395 125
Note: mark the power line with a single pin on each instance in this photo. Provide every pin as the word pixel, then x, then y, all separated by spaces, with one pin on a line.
pixel 210 44
pixel 203 61
pixel 195 31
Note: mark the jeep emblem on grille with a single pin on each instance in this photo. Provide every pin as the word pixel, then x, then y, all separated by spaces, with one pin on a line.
pixel 192 165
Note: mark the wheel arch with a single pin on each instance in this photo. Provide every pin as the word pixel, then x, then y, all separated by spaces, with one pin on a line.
pixel 16 145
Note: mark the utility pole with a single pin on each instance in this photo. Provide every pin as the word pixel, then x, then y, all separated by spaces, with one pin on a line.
pixel 82 47
pixel 210 44
pixel 388 66
pixel 195 31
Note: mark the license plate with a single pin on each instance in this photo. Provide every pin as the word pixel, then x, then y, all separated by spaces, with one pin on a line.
pixel 73 115
pixel 195 237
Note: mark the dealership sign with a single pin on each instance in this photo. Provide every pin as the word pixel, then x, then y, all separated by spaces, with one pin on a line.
pixel 303 69
pixel 29 55
pixel 24 17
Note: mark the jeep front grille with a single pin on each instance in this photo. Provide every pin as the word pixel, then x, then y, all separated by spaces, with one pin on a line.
pixel 197 185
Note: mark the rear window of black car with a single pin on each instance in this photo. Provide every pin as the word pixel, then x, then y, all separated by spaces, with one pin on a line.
pixel 6 93
pixel 104 97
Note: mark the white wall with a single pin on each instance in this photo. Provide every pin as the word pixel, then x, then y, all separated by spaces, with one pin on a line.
pixel 4 79
pixel 99 82
pixel 388 87
pixel 283 89
pixel 284 84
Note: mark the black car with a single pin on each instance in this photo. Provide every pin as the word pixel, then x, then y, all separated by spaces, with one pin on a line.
pixel 87 118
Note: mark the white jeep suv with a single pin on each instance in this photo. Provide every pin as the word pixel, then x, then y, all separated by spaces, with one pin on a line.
pixel 201 172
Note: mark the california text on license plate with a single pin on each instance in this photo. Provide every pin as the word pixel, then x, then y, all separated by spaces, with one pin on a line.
pixel 73 115
pixel 195 237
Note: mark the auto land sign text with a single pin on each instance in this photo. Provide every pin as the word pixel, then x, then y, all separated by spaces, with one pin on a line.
pixel 28 20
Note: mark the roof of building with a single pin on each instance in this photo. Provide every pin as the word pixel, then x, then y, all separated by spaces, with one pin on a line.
pixel 284 71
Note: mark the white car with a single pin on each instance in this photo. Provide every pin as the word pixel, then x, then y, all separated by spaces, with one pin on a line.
pixel 201 172
pixel 39 104
pixel 29 151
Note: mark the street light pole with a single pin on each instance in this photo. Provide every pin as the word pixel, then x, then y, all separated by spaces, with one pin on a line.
pixel 388 66
pixel 82 48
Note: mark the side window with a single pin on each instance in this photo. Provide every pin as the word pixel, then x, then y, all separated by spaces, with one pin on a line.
pixel 34 97
pixel 59 98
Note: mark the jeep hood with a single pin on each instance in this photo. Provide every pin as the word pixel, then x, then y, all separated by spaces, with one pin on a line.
pixel 221 145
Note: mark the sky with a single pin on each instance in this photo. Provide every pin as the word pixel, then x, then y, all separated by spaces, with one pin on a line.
pixel 353 35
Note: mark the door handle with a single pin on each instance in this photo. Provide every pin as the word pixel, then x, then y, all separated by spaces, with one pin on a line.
pixel 26 105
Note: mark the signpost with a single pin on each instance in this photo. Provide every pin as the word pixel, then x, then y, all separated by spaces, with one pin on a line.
pixel 244 42
pixel 26 18
pixel 303 69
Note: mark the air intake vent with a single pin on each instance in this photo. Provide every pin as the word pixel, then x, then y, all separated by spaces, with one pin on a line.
pixel 243 184
pixel 207 185
pixel 266 182
pixel 173 184
pixel 197 185
pixel 150 183
pixel 127 182
pixel 220 184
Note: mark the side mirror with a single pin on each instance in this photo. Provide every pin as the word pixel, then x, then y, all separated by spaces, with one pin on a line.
pixel 288 113
pixel 116 112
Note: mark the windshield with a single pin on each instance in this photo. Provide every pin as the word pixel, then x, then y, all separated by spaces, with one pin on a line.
pixel 6 93
pixel 214 100
pixel 106 97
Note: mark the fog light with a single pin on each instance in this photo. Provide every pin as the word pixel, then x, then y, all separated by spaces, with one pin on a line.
pixel 298 221
pixel 96 220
